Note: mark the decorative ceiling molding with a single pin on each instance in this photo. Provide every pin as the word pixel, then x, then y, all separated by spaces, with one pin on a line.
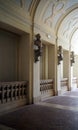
pixel 14 15
pixel 58 17
pixel 69 23
pixel 53 8
pixel 44 33
pixel 59 22
pixel 56 8
pixel 33 6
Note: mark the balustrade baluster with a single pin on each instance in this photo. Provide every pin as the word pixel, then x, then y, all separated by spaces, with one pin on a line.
pixel 19 91
pixel 2 94
pixel 15 92
pixel 7 93
pixel 25 89
pixel 46 87
pixel 11 92
pixel 22 91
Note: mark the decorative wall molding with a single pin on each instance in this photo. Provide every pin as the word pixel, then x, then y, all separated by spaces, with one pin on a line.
pixel 45 33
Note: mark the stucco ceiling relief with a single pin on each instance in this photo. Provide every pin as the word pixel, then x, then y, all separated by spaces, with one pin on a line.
pixel 56 8
pixel 70 26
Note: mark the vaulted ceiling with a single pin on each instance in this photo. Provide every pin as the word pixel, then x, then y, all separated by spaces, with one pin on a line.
pixel 60 17
pixel 57 18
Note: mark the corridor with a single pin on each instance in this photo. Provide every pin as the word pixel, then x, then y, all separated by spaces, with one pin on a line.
pixel 39 60
pixel 55 113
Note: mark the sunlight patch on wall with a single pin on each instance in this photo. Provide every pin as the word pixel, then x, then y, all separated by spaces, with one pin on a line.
pixel 74 42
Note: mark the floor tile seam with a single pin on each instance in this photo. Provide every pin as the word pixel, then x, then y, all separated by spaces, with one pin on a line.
pixel 70 96
pixel 75 108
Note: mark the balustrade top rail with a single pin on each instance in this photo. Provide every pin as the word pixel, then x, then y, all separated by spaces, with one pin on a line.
pixel 16 83
pixel 46 81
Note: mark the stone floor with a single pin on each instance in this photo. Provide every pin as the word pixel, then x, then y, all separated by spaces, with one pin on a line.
pixel 3 127
pixel 55 113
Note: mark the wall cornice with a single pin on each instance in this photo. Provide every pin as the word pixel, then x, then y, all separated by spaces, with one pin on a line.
pixel 14 15
pixel 48 36
pixel 63 43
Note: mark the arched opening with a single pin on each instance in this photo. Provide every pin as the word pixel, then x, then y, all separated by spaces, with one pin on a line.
pixel 47 77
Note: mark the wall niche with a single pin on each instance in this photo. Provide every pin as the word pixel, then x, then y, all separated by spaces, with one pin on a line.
pixel 14 56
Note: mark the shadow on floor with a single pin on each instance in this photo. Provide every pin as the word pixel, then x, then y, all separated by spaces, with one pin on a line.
pixel 44 117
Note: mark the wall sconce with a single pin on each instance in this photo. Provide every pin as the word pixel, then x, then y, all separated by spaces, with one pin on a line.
pixel 72 57
pixel 60 54
pixel 37 47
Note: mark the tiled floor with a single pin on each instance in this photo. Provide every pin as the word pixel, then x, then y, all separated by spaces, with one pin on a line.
pixel 56 113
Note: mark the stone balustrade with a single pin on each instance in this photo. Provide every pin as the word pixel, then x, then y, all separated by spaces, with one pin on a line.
pixel 64 84
pixel 11 91
pixel 46 84
pixel 46 88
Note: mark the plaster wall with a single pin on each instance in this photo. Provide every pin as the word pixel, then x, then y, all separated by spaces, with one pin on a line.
pixel 36 82
pixel 51 60
pixel 65 64
pixel 75 66
pixel 23 57
pixel 8 56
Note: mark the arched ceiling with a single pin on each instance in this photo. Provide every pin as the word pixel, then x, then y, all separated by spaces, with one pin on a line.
pixel 29 6
pixel 59 18
pixel 68 26
pixel 56 18
pixel 74 42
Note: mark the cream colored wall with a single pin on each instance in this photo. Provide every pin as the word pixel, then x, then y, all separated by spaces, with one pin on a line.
pixel 23 61
pixel 58 79
pixel 51 61
pixel 36 82
pixel 14 51
pixel 47 62
pixel 64 70
pixel 75 67
pixel 42 64
pixel 65 64
pixel 8 56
